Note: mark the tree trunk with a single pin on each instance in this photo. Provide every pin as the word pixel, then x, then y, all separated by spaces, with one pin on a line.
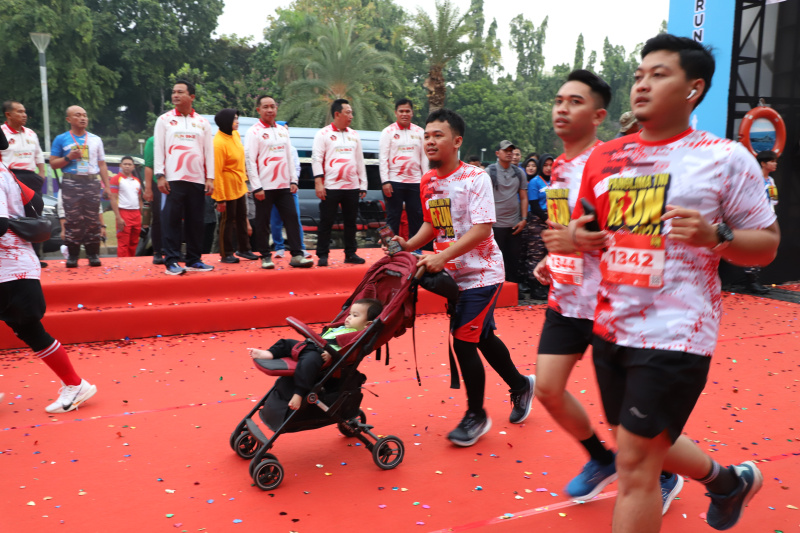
pixel 436 88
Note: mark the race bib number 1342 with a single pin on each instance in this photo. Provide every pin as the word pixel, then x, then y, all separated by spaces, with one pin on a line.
pixel 636 260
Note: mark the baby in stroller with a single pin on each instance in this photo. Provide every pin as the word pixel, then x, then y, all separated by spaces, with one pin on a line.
pixel 311 358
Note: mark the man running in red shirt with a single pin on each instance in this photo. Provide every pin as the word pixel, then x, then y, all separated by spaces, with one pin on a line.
pixel 458 212
pixel 671 201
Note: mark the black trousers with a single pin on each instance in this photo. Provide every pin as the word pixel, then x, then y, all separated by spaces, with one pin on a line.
pixel 185 202
pixel 328 208
pixel 155 222
pixel 34 182
pixel 283 201
pixel 511 246
pixel 309 363
pixel 233 219
pixel 408 194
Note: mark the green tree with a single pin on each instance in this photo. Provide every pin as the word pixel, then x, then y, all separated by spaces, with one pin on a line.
pixel 528 42
pixel 444 41
pixel 484 60
pixel 617 70
pixel 338 66
pixel 580 50
pixel 144 41
pixel 497 111
pixel 591 64
pixel 74 74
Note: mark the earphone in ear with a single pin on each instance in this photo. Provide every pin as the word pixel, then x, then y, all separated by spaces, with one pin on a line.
pixel 694 92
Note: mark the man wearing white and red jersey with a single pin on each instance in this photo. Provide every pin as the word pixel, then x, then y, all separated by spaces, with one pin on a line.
pixel 274 180
pixel 402 164
pixel 340 178
pixel 24 153
pixel 22 303
pixel 578 110
pixel 459 214
pixel 184 167
pixel 671 201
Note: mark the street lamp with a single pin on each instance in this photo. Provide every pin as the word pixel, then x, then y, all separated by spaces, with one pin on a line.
pixel 41 40
pixel 483 151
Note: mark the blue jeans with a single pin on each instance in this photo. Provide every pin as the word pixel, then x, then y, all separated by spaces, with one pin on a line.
pixel 276 224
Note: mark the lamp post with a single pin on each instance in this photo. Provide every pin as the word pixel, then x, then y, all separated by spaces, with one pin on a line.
pixel 41 40
pixel 483 151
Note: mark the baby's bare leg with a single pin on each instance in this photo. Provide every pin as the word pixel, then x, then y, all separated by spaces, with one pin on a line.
pixel 294 403
pixel 255 353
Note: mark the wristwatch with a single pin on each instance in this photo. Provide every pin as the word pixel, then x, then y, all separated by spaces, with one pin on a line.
pixel 724 237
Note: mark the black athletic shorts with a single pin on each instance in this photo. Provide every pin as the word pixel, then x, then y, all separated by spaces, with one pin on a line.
pixel 21 301
pixel 562 335
pixel 648 391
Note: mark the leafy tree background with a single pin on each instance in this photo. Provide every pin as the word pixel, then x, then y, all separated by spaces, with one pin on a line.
pixel 119 59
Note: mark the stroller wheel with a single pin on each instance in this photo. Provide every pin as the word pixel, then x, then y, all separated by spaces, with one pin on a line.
pixel 268 474
pixel 253 464
pixel 246 445
pixel 388 452
pixel 240 429
pixel 347 430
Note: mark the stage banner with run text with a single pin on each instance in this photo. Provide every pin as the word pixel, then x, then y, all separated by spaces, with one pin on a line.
pixel 710 22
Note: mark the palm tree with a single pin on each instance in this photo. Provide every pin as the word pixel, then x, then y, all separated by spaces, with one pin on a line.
pixel 441 42
pixel 338 65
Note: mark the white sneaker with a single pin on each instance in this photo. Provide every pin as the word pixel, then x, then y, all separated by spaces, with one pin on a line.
pixel 71 397
pixel 279 254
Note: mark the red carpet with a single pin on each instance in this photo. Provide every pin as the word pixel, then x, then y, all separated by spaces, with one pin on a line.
pixel 150 452
pixel 132 298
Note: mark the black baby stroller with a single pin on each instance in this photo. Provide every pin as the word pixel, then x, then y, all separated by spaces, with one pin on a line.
pixel 336 397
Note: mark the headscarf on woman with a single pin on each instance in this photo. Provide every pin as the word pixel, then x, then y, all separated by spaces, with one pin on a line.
pixel 224 120
pixel 525 168
pixel 537 189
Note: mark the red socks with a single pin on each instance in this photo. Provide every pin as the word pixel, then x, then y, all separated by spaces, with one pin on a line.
pixel 55 356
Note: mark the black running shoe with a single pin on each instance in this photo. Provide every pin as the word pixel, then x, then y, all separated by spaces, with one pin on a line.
pixel 522 401
pixel 470 429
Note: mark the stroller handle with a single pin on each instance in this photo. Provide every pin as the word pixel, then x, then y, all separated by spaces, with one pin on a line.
pixel 420 272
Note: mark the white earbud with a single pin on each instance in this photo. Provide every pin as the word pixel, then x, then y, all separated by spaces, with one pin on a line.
pixel 694 92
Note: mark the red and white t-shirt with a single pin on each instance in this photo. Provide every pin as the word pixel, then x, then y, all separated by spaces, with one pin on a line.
pixel 269 157
pixel 453 204
pixel 184 147
pixel 17 258
pixel 127 190
pixel 577 297
pixel 401 154
pixel 24 151
pixel 337 156
pixel 657 293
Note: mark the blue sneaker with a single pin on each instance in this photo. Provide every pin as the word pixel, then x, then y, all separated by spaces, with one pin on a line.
pixel 670 487
pixel 199 267
pixel 175 270
pixel 591 481
pixel 725 510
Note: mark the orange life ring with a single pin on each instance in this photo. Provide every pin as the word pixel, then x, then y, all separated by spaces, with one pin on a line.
pixel 773 117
